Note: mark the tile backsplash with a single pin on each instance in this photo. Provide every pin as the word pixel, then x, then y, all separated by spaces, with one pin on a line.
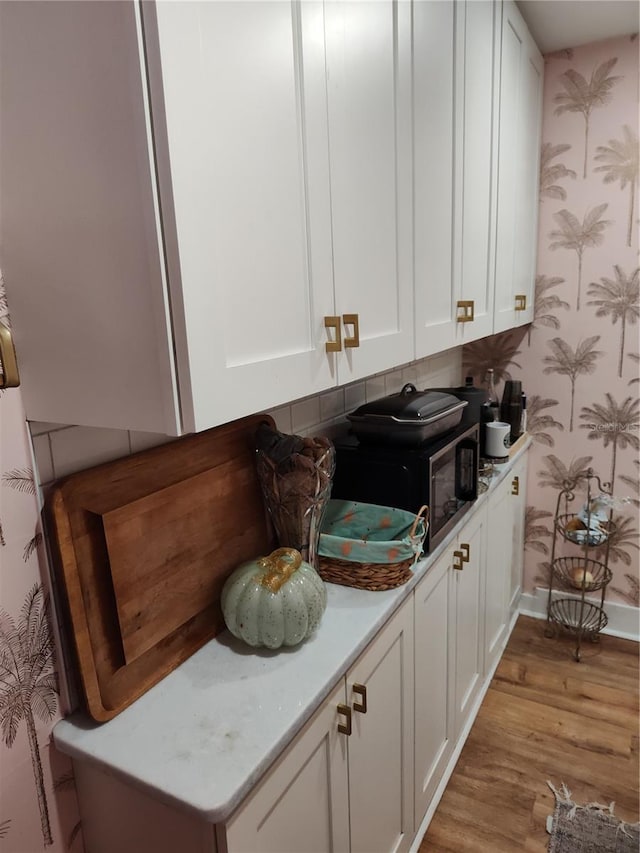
pixel 62 450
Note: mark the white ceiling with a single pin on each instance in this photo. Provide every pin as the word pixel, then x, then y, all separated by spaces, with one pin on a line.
pixel 556 24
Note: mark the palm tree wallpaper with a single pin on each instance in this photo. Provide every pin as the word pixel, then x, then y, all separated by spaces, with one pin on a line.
pixel 545 303
pixel 579 95
pixel 34 814
pixel 620 158
pixel 578 360
pixel 577 236
pixel 619 299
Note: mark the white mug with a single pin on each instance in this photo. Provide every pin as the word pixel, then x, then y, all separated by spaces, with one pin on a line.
pixel 497 439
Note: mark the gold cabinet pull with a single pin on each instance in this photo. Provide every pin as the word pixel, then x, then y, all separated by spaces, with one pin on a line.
pixel 521 302
pixel 345 728
pixel 352 320
pixel 458 561
pixel 334 345
pixel 515 486
pixel 361 691
pixel 9 376
pixel 465 550
pixel 467 308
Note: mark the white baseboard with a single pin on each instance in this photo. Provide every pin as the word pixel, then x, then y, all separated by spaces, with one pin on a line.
pixel 624 620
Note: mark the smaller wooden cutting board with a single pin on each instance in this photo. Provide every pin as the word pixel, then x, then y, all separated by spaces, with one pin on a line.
pixel 142 547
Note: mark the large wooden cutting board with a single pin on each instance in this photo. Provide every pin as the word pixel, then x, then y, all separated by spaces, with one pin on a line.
pixel 143 546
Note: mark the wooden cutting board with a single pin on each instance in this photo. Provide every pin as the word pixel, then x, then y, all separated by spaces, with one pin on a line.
pixel 142 547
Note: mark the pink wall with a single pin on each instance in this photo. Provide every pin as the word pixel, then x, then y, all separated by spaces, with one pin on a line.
pixel 579 360
pixel 38 808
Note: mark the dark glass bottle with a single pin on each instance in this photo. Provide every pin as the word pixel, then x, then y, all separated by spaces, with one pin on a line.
pixel 492 397
pixel 511 407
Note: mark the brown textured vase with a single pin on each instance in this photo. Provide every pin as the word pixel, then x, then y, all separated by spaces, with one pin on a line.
pixel 296 499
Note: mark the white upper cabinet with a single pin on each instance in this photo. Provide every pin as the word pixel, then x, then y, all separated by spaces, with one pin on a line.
pixel 434 57
pixel 476 174
pixel 239 114
pixel 477 113
pixel 368 50
pixel 521 80
pixel 455 176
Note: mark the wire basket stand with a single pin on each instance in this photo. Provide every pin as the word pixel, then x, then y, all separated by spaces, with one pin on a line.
pixel 579 573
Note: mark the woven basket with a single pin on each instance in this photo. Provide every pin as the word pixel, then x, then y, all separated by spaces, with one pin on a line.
pixel 377 576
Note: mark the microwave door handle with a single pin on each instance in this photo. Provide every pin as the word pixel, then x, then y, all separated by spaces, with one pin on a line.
pixel 470 493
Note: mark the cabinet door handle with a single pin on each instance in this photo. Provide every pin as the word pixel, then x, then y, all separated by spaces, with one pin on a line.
pixel 352 320
pixel 345 728
pixel 9 376
pixel 334 345
pixel 361 690
pixel 458 561
pixel 467 306
pixel 515 486
pixel 466 551
pixel 521 302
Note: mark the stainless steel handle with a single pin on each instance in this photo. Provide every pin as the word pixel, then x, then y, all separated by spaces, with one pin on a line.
pixel 361 690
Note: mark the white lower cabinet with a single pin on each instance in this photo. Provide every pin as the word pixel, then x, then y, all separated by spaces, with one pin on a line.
pixel 434 736
pixel 519 501
pixel 348 788
pixel 505 554
pixel 276 817
pixel 467 581
pixel 448 656
pixel 499 547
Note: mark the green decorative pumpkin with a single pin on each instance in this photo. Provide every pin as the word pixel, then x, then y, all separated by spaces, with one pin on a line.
pixel 274 601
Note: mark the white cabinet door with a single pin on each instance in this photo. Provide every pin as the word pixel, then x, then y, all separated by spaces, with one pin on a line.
pixel 521 80
pixel 434 56
pixel 433 666
pixel 182 213
pixel 467 588
pixel 519 500
pixel 505 559
pixel 381 745
pixel 477 70
pixel 302 805
pixel 498 571
pixel 368 50
pixel 240 130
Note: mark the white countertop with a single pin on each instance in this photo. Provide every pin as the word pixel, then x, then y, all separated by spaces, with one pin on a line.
pixel 203 736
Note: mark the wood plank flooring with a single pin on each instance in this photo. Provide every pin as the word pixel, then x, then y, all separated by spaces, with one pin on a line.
pixel 544 717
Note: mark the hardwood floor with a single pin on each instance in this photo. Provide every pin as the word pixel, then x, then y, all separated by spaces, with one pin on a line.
pixel 544 717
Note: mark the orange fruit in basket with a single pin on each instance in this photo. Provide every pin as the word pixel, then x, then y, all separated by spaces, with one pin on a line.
pixel 579 574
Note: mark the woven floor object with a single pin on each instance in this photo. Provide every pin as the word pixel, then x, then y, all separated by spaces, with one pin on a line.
pixel 592 828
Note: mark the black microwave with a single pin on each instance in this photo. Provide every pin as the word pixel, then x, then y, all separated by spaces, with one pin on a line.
pixel 442 473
